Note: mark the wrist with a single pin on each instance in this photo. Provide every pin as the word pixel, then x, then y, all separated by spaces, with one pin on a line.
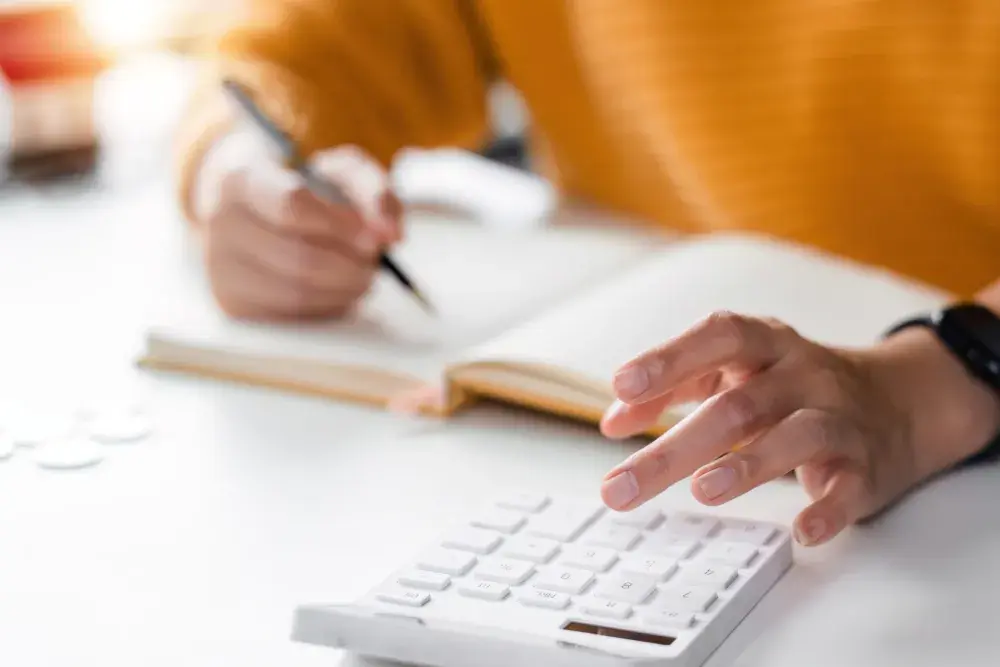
pixel 951 414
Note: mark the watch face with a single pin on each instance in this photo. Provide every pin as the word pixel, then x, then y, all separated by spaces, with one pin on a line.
pixel 974 323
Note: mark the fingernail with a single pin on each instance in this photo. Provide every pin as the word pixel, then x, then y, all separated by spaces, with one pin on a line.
pixel 813 532
pixel 620 490
pixel 631 382
pixel 716 482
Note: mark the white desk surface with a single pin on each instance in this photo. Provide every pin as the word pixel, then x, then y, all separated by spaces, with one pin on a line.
pixel 194 547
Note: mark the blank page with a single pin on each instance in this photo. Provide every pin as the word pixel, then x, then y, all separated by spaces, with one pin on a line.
pixel 826 299
pixel 481 281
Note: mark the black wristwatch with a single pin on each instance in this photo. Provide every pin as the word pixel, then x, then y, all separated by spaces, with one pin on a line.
pixel 971 332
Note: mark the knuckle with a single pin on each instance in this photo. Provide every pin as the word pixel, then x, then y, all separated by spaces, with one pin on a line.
pixel 748 465
pixel 823 430
pixel 728 327
pixel 826 381
pixel 296 202
pixel 779 327
pixel 738 408
pixel 654 460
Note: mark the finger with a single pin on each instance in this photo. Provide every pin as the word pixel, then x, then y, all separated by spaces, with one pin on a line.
pixel 718 425
pixel 840 505
pixel 363 181
pixel 392 210
pixel 295 258
pixel 282 199
pixel 624 420
pixel 720 340
pixel 246 289
pixel 795 441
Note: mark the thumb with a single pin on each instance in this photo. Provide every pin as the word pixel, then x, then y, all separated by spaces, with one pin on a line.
pixel 841 503
pixel 366 184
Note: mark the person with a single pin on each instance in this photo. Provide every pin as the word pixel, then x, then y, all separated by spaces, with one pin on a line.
pixel 870 130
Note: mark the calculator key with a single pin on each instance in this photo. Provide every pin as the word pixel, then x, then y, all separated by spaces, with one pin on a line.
pixel 535 549
pixel 633 590
pixel 404 597
pixel 595 559
pixel 620 538
pixel 664 544
pixel 647 565
pixel 474 540
pixel 707 574
pixel 606 608
pixel 563 523
pixel 431 581
pixel 504 521
pixel 667 618
pixel 486 590
pixel 694 526
pixel 564 580
pixel 732 554
pixel 643 517
pixel 447 561
pixel 752 533
pixel 504 570
pixel 694 599
pixel 524 501
pixel 540 598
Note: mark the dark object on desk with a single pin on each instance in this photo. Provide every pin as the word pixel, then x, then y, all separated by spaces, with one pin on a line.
pixel 48 72
pixel 53 166
pixel 320 187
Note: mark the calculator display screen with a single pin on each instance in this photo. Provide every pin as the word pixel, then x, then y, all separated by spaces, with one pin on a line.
pixel 575 626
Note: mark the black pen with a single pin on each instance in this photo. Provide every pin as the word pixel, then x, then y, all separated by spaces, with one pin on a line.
pixel 319 186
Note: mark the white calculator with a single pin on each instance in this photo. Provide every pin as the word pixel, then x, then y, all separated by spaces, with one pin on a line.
pixel 532 580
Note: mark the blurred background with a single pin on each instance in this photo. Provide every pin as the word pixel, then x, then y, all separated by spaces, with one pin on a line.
pixel 90 90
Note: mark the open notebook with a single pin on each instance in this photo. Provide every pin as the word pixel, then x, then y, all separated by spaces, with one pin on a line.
pixel 541 318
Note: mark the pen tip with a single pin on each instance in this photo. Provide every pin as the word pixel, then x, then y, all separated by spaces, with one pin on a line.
pixel 428 307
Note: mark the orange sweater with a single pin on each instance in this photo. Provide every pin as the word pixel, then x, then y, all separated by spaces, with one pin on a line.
pixel 869 128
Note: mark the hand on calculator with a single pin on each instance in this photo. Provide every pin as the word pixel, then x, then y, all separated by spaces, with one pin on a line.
pixel 859 427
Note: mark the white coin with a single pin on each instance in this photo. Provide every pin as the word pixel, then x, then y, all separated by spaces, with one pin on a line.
pixel 112 428
pixel 69 454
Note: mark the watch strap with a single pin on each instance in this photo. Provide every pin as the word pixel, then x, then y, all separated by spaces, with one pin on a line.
pixel 920 321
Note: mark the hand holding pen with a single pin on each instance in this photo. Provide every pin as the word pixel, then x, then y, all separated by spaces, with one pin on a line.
pixel 293 241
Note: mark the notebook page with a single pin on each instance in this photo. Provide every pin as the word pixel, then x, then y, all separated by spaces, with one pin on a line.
pixel 481 282
pixel 825 299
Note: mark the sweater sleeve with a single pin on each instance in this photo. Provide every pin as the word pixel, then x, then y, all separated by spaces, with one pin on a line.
pixel 379 74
